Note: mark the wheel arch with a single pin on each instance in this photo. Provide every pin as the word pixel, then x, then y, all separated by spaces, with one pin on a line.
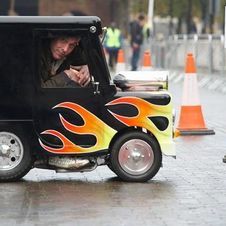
pixel 129 129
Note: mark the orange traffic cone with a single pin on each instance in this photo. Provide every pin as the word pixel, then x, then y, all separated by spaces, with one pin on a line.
pixel 191 121
pixel 120 66
pixel 147 64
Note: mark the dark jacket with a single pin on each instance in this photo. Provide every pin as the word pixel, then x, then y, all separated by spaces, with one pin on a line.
pixel 136 32
pixel 60 79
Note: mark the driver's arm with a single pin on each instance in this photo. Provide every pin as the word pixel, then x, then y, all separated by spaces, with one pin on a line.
pixel 58 81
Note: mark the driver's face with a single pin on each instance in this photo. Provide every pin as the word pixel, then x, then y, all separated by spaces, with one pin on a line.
pixel 61 47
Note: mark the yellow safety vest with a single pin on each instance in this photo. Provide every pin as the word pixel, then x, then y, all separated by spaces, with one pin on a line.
pixel 113 38
pixel 145 31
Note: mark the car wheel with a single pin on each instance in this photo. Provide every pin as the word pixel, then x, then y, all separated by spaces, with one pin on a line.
pixel 136 156
pixel 15 156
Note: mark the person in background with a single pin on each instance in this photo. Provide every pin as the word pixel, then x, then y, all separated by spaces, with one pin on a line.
pixel 112 44
pixel 193 27
pixel 136 39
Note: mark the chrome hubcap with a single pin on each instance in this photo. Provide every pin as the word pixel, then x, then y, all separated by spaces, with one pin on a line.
pixel 136 156
pixel 11 151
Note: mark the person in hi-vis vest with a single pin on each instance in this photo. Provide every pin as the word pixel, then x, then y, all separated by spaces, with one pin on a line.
pixel 113 43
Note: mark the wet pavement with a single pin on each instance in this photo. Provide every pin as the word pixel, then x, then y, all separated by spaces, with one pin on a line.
pixel 190 190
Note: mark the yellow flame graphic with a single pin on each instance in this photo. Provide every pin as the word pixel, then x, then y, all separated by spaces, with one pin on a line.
pixel 92 125
pixel 104 133
pixel 145 110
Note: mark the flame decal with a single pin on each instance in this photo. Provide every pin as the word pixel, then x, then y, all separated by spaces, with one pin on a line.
pixel 68 146
pixel 104 133
pixel 92 125
pixel 145 110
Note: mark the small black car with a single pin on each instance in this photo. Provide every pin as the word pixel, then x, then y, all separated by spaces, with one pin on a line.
pixel 75 129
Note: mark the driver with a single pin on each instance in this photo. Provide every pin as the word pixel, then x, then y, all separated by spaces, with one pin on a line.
pixel 57 56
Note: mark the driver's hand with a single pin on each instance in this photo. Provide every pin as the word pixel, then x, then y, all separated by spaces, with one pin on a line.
pixel 79 75
pixel 84 76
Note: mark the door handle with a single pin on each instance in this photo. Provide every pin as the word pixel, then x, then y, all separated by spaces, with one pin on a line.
pixel 96 88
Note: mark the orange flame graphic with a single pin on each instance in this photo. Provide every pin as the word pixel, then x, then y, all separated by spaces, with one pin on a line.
pixel 145 110
pixel 92 125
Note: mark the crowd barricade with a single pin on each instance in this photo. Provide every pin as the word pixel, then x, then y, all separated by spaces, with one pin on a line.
pixel 208 50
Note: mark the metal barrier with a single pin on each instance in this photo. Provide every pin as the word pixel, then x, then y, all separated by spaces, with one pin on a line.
pixel 208 50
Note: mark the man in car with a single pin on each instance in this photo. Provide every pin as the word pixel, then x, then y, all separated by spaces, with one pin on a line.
pixel 63 63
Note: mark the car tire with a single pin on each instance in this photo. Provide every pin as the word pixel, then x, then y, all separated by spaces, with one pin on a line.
pixel 136 157
pixel 110 166
pixel 15 156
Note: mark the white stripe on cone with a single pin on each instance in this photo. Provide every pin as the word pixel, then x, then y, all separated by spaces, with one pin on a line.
pixel 190 91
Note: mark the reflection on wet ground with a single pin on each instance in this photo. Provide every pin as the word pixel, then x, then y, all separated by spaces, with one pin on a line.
pixel 61 199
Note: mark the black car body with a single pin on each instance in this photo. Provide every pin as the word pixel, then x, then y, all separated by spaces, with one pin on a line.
pixel 92 122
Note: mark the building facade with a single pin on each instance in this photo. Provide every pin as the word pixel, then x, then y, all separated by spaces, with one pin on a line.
pixel 108 10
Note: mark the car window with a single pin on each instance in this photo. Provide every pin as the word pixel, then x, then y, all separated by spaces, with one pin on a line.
pixel 62 62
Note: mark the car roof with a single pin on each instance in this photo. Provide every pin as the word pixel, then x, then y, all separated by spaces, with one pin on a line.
pixel 50 19
pixel 91 23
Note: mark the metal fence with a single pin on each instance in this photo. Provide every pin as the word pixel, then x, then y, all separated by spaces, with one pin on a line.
pixel 208 50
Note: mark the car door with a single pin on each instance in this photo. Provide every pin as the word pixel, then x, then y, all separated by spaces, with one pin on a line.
pixel 66 119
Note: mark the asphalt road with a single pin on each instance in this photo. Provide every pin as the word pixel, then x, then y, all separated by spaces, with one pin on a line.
pixel 190 190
